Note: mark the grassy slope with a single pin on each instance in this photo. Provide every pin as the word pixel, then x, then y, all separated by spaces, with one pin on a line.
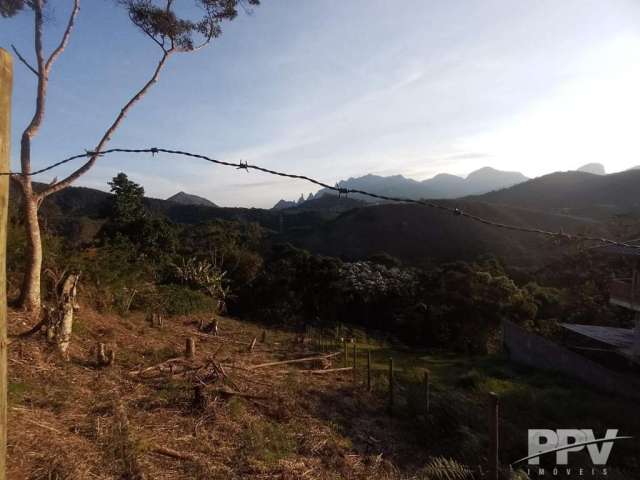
pixel 64 420
pixel 65 425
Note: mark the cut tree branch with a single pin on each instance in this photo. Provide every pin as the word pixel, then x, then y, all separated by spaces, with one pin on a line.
pixel 296 360
pixel 174 453
pixel 110 131
pixel 23 60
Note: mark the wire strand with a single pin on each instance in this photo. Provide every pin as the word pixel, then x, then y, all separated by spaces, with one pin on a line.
pixel 340 190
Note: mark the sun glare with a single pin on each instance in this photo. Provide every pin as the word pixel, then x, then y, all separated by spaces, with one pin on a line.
pixel 590 119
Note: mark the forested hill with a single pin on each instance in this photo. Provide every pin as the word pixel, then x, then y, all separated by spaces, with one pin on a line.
pixel 574 193
pixel 417 234
pixel 412 233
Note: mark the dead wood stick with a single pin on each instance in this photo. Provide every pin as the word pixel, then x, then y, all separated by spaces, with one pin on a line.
pixel 218 351
pixel 174 453
pixel 157 365
pixel 328 370
pixel 220 339
pixel 296 360
pixel 35 329
pixel 229 392
pixel 42 425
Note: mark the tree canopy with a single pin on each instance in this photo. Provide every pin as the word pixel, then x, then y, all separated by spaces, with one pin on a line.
pixel 127 206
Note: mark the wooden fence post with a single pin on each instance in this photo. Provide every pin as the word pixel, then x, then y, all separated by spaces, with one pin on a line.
pixel 6 85
pixel 391 392
pixel 494 460
pixel 346 354
pixel 427 391
pixel 355 356
pixel 369 370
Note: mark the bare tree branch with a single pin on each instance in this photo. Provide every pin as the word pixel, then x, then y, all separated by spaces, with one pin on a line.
pixel 203 44
pixel 38 116
pixel 23 60
pixel 150 35
pixel 65 37
pixel 110 131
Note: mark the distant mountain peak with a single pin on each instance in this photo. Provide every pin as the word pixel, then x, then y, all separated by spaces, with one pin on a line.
pixel 594 168
pixel 483 170
pixel 490 171
pixel 282 204
pixel 449 176
pixel 184 198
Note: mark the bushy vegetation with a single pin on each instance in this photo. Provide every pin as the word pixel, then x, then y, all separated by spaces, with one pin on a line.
pixel 141 260
pixel 459 304
pixel 133 257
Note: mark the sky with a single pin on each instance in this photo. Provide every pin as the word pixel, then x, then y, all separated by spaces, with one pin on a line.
pixel 335 89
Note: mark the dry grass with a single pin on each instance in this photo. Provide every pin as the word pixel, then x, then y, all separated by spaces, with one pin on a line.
pixel 74 420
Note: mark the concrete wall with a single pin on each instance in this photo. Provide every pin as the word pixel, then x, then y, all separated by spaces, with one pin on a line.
pixel 536 351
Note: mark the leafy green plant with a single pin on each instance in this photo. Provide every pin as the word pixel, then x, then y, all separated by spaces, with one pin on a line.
pixel 203 275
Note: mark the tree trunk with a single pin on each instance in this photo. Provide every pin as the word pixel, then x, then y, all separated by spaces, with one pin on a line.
pixel 30 293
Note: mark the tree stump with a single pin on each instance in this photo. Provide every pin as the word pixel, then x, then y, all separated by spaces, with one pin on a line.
pixel 104 357
pixel 200 399
pixel 111 357
pixel 190 348
pixel 59 319
pixel 101 354
pixel 157 320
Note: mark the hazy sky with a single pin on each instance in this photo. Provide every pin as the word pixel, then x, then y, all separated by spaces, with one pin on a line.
pixel 340 88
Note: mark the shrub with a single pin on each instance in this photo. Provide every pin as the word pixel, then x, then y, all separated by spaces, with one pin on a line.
pixel 175 300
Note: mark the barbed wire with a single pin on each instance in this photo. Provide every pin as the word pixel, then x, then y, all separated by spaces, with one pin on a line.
pixel 341 191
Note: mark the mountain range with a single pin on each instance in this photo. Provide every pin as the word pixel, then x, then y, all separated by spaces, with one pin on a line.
pixel 443 185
